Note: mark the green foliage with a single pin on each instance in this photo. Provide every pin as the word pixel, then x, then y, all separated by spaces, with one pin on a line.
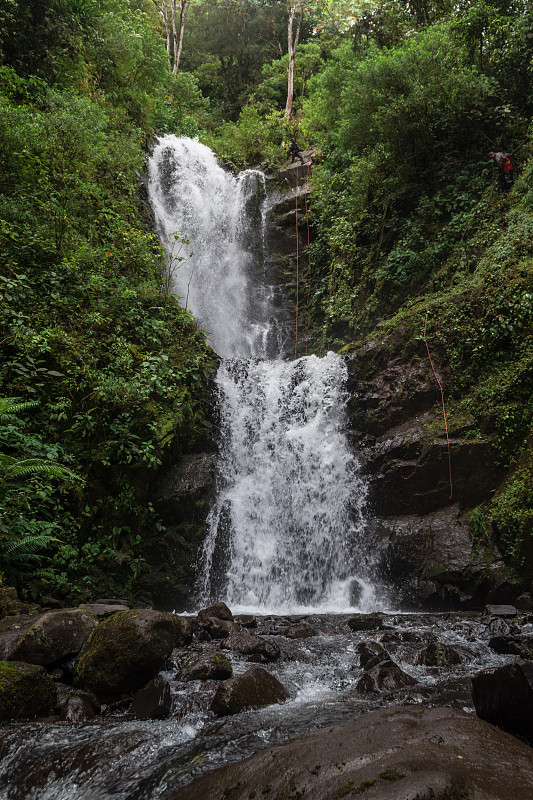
pixel 113 369
pixel 27 489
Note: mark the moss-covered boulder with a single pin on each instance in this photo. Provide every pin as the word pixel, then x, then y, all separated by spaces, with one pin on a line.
pixel 52 637
pixel 26 691
pixel 126 651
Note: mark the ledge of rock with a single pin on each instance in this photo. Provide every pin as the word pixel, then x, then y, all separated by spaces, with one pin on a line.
pixel 432 560
pixel 397 753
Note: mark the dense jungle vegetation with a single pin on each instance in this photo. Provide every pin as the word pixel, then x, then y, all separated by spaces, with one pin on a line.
pixel 104 376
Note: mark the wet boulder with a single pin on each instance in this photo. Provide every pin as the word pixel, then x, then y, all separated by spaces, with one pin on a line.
pixel 153 701
pixel 386 676
pixel 394 753
pixel 53 636
pixel 436 654
pixel 246 620
pixel 206 666
pixel 256 688
pixel 370 654
pixel 26 691
pixel 504 697
pixel 365 622
pixel 126 651
pixel 213 628
pixel 218 611
pixel 302 630
pixel 79 707
pixel 248 644
pixel 513 645
pixel 506 611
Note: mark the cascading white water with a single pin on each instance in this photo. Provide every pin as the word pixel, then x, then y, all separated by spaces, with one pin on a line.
pixel 220 274
pixel 287 525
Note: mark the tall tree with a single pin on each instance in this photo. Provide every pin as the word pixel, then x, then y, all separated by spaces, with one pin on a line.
pixel 293 35
pixel 173 16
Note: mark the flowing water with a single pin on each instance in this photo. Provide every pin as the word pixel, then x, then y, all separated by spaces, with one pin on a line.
pixel 287 534
pixel 287 529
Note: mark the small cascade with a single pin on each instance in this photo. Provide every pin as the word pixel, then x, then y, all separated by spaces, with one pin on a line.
pixel 287 527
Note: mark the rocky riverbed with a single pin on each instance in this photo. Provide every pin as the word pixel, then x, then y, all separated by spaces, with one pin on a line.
pixel 152 703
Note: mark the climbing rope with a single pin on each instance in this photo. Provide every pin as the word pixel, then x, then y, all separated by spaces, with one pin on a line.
pixel 297 277
pixel 308 315
pixel 443 408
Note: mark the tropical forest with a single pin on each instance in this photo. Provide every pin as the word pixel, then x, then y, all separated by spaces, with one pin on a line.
pixel 266 399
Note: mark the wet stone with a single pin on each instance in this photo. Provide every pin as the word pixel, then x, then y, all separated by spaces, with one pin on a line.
pixel 436 654
pixel 250 645
pixel 214 628
pixel 301 631
pixel 218 611
pixel 153 701
pixel 501 610
pixel 246 620
pixel 386 676
pixel 370 654
pixel 256 688
pixel 205 666
pixel 365 622
pixel 504 697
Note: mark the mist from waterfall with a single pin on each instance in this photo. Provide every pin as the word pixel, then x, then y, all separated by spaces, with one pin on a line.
pixel 287 525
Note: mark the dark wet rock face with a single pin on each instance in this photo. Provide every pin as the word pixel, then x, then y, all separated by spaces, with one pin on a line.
pixel 427 552
pixel 218 611
pixel 125 651
pixel 365 622
pixel 402 752
pixel 437 654
pixel 384 676
pixel 256 688
pixel 153 701
pixel 505 697
pixel 205 666
pixel 26 691
pixel 254 646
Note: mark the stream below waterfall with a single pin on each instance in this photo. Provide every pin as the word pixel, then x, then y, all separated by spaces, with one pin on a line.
pixel 288 542
pixel 116 758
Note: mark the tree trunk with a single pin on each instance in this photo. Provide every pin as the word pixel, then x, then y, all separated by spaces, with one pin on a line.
pixel 295 8
pixel 178 46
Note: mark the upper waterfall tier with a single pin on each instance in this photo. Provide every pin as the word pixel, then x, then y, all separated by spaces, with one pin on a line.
pixel 220 273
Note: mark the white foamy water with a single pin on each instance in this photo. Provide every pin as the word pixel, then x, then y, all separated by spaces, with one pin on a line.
pixel 287 526
pixel 221 277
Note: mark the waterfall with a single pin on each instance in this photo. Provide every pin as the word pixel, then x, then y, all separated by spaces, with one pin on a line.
pixel 219 272
pixel 287 526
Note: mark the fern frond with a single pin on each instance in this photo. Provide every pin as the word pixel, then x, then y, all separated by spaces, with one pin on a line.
pixel 9 406
pixel 20 468
pixel 26 548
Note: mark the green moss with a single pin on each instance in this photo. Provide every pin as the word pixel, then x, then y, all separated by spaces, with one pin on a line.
pixel 25 691
pixel 391 775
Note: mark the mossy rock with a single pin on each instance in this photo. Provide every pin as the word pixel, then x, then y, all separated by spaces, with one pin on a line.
pixel 126 651
pixel 26 691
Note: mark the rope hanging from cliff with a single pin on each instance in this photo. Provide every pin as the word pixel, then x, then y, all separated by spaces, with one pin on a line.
pixel 297 277
pixel 443 408
pixel 307 314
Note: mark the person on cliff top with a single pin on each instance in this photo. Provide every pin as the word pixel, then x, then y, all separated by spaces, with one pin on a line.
pixel 505 170
pixel 294 151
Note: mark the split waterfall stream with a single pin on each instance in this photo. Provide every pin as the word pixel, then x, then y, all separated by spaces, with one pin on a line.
pixel 288 546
